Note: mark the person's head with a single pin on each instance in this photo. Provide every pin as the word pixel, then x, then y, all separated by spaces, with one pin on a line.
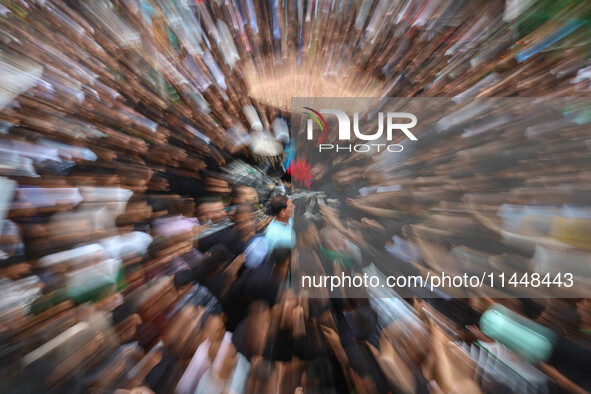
pixel 159 244
pixel 245 221
pixel 213 327
pixel 211 209
pixel 158 184
pixel 281 208
pixel 286 179
pixel 318 171
pixel 217 185
pixel 340 176
pixel 160 207
pixel 124 225
pixel 245 195
pixel 185 207
pixel 134 274
pixel 182 279
pixel 126 320
pixel 374 177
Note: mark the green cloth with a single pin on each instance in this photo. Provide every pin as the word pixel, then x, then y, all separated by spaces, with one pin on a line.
pixel 328 256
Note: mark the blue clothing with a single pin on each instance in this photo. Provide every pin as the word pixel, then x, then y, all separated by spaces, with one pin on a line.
pixel 256 251
pixel 279 235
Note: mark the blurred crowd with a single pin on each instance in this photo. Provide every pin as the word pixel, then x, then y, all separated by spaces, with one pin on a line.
pixel 151 196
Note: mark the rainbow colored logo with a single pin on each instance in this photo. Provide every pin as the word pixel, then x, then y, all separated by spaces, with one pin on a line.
pixel 323 125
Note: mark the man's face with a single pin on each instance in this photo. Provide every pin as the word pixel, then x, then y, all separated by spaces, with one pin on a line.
pixel 318 171
pixel 213 211
pixel 251 196
pixel 246 195
pixel 340 179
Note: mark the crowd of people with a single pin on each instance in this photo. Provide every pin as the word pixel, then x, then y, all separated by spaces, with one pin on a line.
pixel 158 206
pixel 193 295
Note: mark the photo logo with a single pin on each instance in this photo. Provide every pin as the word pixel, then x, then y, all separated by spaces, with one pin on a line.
pixel 344 131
